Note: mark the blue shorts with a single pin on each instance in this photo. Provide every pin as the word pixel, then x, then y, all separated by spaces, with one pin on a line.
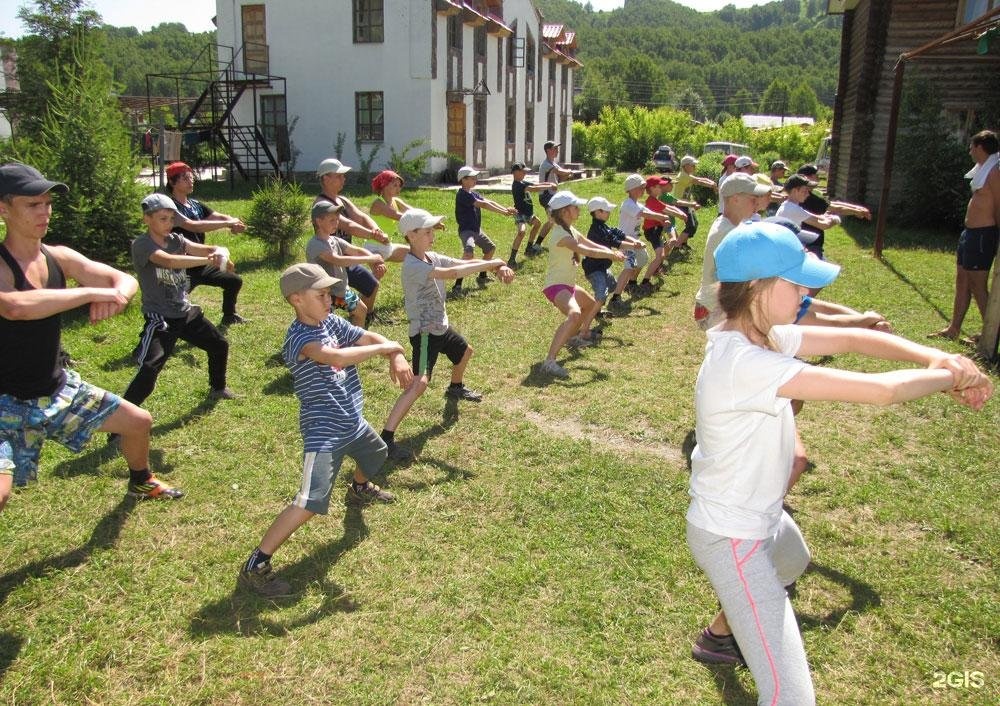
pixel 361 279
pixel 525 218
pixel 70 415
pixel 977 247
pixel 602 282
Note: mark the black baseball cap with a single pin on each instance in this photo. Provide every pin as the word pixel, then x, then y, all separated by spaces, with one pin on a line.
pixel 797 180
pixel 18 179
pixel 550 144
pixel 519 166
pixel 808 170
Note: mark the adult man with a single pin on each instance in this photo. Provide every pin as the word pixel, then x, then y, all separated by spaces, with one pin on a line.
pixel 192 220
pixel 332 175
pixel 741 192
pixel 977 246
pixel 549 170
pixel 39 399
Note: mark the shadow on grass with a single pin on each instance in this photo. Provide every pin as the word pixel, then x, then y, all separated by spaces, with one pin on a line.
pixel 104 536
pixel 536 378
pixel 10 648
pixel 731 689
pixel 416 443
pixel 243 613
pixel 687 447
pixel 886 261
pixel 863 598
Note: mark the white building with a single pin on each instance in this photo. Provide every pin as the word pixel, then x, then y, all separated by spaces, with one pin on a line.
pixel 486 80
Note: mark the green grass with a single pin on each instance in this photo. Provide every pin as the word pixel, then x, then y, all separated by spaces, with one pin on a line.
pixel 536 553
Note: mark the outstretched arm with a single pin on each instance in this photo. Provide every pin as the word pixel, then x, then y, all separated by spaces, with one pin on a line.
pixel 471 267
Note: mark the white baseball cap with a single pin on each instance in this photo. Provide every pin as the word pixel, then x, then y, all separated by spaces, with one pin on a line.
pixel 634 181
pixel 467 171
pixel 743 162
pixel 563 199
pixel 417 218
pixel 334 166
pixel 598 203
pixel 688 159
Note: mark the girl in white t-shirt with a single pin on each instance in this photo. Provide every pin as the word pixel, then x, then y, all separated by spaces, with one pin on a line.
pixel 738 532
pixel 576 304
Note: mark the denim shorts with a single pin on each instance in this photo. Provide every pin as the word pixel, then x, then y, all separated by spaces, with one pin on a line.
pixel 320 468
pixel 602 282
pixel 525 218
pixel 70 415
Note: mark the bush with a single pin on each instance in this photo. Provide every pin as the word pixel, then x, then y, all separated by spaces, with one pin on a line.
pixel 278 214
pixel 412 168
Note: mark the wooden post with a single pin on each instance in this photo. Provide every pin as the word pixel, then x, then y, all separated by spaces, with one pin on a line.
pixel 890 149
pixel 987 347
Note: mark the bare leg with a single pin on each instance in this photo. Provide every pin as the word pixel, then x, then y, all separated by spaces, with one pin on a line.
pixel 963 297
pixel 290 519
pixel 535 225
pixel 521 227
pixel 458 371
pixel 6 483
pixel 369 301
pixel 719 625
pixel 133 425
pixel 545 231
pixel 360 314
pixel 588 310
pixel 405 402
pixel 977 280
pixel 569 307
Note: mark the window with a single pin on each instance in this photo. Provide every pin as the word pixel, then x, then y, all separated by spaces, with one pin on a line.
pixel 530 55
pixel 529 124
pixel 454 33
pixel 552 69
pixel 511 122
pixel 479 120
pixel 369 119
pixel 479 43
pixel 974 9
pixel 272 117
pixel 368 21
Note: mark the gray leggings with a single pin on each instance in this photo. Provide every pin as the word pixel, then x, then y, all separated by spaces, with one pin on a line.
pixel 749 577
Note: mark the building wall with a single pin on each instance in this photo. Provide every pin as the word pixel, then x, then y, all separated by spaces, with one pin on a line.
pixel 324 68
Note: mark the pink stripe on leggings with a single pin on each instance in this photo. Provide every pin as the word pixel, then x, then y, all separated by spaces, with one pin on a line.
pixel 733 543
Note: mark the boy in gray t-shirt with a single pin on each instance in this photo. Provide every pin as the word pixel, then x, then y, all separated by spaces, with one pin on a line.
pixel 424 273
pixel 335 255
pixel 161 259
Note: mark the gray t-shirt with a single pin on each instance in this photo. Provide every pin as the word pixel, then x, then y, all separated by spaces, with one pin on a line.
pixel 164 290
pixel 318 245
pixel 424 296
pixel 548 171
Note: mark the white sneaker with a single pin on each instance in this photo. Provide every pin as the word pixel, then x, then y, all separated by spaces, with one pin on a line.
pixel 550 367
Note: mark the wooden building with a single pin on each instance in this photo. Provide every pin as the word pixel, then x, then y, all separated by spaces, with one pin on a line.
pixel 875 33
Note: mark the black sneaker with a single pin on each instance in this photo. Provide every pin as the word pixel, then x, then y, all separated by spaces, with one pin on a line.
pixel 369 492
pixel 223 394
pixel 463 393
pixel 717 649
pixel 231 319
pixel 261 581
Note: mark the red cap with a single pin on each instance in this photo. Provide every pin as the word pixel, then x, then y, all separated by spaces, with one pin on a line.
pixel 175 168
pixel 730 160
pixel 657 180
pixel 384 178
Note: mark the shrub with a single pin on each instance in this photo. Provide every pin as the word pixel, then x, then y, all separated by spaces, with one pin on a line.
pixel 278 214
pixel 412 167
pixel 609 174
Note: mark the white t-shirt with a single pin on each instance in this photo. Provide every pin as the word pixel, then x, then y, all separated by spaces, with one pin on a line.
pixel 629 218
pixel 707 295
pixel 797 215
pixel 745 434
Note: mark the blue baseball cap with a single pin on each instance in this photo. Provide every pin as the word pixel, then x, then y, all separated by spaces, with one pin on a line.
pixel 760 250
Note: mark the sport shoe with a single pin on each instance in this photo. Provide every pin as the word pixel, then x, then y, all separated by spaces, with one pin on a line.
pixel 154 488
pixel 230 319
pixel 260 580
pixel 578 342
pixel 618 307
pixel 712 649
pixel 512 263
pixel 463 393
pixel 223 394
pixel 551 367
pixel 398 452
pixel 369 492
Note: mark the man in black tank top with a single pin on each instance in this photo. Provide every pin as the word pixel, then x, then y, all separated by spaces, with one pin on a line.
pixel 40 399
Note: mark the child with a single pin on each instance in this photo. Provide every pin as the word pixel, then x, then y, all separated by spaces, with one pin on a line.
pixel 322 352
pixel 423 276
pixel 739 535
pixel 658 218
pixel 521 191
pixel 797 189
pixel 597 269
pixel 574 303
pixel 335 255
pixel 161 259
pixel 687 209
pixel 386 185
pixel 469 218
pixel 629 221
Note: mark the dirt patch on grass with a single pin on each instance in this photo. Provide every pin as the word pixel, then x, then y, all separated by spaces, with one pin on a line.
pixel 604 438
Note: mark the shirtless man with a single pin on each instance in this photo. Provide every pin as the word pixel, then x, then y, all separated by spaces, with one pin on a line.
pixel 977 245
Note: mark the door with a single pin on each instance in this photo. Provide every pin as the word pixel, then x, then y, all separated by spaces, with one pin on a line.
pixel 456 131
pixel 254 40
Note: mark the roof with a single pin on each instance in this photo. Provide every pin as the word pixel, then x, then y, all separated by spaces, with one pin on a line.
pixel 757 122
pixel 552 31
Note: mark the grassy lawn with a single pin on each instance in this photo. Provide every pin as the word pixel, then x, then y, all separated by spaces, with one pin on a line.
pixel 536 552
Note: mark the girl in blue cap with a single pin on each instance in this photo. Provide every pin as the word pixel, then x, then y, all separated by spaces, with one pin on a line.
pixel 740 536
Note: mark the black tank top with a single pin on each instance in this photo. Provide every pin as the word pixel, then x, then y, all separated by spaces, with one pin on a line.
pixel 30 366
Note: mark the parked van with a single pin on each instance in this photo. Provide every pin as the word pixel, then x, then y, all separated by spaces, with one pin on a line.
pixel 725 148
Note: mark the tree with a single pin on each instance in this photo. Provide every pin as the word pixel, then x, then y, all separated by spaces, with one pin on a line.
pixel 776 99
pixel 803 101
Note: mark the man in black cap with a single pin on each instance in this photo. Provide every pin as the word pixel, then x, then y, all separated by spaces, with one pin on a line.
pixel 39 398
pixel 548 171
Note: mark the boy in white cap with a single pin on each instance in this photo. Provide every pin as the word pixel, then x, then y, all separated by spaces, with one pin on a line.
pixel 468 215
pixel 161 259
pixel 424 272
pixel 322 351
pixel 598 270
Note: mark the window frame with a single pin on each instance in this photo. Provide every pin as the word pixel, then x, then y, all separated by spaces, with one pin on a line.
pixel 364 15
pixel 370 130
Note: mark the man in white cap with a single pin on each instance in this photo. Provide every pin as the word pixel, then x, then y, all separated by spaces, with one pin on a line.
pixel 740 192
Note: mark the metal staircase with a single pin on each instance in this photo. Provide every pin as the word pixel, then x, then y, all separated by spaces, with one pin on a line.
pixel 217 114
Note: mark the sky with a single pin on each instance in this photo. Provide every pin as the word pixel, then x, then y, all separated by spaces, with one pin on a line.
pixel 196 15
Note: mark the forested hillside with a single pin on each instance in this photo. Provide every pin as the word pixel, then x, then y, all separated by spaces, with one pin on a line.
pixel 166 48
pixel 657 52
